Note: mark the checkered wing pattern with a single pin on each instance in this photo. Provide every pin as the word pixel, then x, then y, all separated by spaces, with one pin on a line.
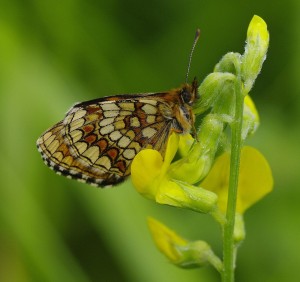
pixel 97 140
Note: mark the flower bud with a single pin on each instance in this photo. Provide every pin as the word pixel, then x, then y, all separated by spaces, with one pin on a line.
pixel 179 251
pixel 239 232
pixel 194 167
pixel 229 63
pixel 211 89
pixel 255 51
pixel 183 195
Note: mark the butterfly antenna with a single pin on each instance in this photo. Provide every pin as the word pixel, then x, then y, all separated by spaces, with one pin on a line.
pixel 197 35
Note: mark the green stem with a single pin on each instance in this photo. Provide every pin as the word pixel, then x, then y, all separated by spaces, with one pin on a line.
pixel 236 144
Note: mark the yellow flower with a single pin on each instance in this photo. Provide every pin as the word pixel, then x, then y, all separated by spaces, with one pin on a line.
pixel 255 179
pixel 151 177
pixel 179 251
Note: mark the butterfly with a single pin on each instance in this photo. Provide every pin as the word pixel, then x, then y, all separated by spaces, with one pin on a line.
pixel 97 140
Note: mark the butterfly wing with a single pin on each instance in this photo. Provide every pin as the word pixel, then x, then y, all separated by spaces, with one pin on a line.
pixel 97 140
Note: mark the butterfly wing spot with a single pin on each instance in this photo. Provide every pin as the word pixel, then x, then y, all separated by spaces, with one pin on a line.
pixel 88 128
pixel 107 129
pixel 53 147
pixel 58 155
pixel 108 114
pixel 79 147
pixel 78 123
pixel 79 114
pixel 127 106
pixel 150 119
pixel 75 136
pixel 109 107
pixel 124 142
pixel 94 117
pixel 104 162
pixel 67 160
pixel 45 137
pixel 48 140
pixel 90 139
pixel 115 135
pixel 134 122
pixel 131 134
pixel 92 154
pixel 149 109
pixel 148 132
pixel 119 124
pixel 129 154
pixel 106 121
pixel 103 144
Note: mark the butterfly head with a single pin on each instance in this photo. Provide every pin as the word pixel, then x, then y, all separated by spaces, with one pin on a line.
pixel 189 93
pixel 185 117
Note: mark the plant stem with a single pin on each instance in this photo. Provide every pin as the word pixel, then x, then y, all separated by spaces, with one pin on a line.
pixel 236 144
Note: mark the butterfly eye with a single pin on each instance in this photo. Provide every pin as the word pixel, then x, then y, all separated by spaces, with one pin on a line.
pixel 186 96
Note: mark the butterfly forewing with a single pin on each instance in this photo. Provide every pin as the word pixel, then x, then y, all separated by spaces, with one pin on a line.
pixel 97 140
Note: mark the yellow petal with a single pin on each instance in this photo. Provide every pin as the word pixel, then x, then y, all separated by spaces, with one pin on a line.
pixel 145 169
pixel 250 118
pixel 249 104
pixel 166 240
pixel 148 168
pixel 255 179
pixel 172 147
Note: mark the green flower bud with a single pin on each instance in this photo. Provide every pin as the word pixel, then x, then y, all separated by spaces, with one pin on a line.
pixel 179 251
pixel 198 254
pixel 195 166
pixel 255 51
pixel 231 62
pixel 239 232
pixel 183 195
pixel 211 89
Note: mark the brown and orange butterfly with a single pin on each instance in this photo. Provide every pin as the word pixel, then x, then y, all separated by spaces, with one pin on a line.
pixel 98 139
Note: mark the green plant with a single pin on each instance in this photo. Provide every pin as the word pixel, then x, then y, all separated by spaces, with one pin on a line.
pixel 216 175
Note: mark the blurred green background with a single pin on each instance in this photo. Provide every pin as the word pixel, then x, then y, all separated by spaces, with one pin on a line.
pixel 56 53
